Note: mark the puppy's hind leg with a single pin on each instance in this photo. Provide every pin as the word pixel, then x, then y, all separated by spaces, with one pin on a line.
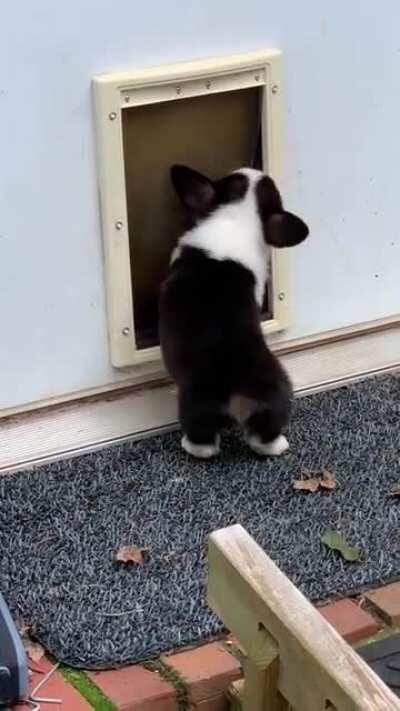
pixel 263 428
pixel 201 419
pixel 272 448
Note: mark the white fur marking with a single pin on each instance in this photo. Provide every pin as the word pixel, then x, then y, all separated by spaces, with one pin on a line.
pixel 272 449
pixel 234 231
pixel 201 451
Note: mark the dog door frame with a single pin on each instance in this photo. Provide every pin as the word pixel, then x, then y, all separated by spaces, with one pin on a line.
pixel 116 92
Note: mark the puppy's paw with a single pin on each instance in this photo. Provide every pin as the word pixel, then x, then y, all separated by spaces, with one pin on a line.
pixel 267 449
pixel 201 451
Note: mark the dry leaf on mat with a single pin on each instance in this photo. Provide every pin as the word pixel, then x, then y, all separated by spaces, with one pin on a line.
pixel 34 651
pixel 306 485
pixel 328 480
pixel 395 491
pixel 131 554
pixel 313 483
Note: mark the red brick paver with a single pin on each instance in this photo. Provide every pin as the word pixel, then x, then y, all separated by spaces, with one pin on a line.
pixel 208 671
pixel 349 619
pixel 55 688
pixel 386 601
pixel 134 688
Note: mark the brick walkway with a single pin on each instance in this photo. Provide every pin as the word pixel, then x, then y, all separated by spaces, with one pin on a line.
pixel 198 678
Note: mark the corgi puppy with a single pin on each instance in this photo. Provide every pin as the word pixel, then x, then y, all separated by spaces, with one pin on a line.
pixel 210 309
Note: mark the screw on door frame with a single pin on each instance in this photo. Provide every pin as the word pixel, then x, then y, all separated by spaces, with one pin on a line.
pixel 112 116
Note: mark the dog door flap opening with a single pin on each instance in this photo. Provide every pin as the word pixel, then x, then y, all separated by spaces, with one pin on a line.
pixel 213 115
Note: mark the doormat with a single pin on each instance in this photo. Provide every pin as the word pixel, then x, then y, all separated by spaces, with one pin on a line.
pixel 61 525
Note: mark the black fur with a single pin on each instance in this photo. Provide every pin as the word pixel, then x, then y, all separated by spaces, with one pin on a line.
pixel 210 331
pixel 200 195
pixel 281 228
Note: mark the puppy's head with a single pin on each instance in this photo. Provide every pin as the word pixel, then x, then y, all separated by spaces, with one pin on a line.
pixel 201 196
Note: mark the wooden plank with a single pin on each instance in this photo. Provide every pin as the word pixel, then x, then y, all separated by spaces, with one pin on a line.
pixel 235 695
pixel 45 436
pixel 317 669
pixel 261 668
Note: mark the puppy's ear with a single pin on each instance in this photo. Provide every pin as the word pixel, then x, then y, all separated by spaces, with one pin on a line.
pixel 281 229
pixel 196 192
pixel 268 198
pixel 285 230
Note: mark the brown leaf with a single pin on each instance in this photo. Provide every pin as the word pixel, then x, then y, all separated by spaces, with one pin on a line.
pixel 395 491
pixel 34 651
pixel 306 485
pixel 131 554
pixel 328 480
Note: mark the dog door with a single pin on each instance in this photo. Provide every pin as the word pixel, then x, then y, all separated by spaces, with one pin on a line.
pixel 213 115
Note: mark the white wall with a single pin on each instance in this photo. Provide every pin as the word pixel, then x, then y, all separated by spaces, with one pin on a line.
pixel 342 63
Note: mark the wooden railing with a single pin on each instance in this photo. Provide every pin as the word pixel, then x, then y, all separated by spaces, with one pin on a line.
pixel 293 658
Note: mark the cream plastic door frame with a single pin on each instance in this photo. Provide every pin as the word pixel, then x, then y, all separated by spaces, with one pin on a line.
pixel 118 91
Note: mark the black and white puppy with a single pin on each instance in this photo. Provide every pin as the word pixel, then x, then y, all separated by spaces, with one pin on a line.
pixel 210 303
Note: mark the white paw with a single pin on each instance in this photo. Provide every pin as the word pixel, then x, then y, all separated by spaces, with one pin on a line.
pixel 272 449
pixel 201 451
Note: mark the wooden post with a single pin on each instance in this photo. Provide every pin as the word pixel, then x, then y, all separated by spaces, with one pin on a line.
pixel 294 658
pixel 261 673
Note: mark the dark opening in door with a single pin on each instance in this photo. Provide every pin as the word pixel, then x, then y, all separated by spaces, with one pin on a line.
pixel 214 134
